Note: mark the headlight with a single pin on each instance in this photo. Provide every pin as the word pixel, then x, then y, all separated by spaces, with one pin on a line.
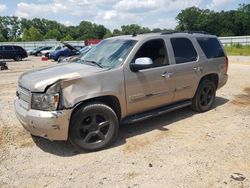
pixel 45 101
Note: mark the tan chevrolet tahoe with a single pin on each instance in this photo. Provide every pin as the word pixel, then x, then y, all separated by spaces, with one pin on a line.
pixel 124 79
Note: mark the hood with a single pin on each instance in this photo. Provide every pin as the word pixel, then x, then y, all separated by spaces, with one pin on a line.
pixel 38 80
pixel 70 47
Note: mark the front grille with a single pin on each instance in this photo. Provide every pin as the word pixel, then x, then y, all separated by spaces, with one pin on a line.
pixel 24 95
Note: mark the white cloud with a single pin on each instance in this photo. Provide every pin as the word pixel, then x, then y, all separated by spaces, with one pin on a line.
pixel 164 23
pixel 154 5
pixel 56 7
pixel 135 5
pixel 215 4
pixel 31 10
pixel 108 15
pixel 111 13
pixel 67 23
pixel 3 7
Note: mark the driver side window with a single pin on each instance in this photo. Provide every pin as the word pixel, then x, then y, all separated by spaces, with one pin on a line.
pixel 155 50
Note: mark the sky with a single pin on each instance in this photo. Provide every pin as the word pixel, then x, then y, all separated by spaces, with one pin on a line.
pixel 111 13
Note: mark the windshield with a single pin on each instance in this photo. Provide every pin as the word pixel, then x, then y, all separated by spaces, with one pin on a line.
pixel 109 53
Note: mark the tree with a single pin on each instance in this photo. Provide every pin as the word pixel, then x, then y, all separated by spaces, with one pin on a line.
pixel 26 35
pixel 53 34
pixel 32 34
pixel 224 23
pixel 67 38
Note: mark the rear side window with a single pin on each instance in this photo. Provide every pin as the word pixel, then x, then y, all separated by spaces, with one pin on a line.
pixel 211 47
pixel 183 50
pixel 8 48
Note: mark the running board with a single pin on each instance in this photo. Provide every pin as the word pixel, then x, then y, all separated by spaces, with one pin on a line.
pixel 156 112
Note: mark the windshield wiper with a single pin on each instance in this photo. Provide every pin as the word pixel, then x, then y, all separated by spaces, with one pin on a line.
pixel 93 62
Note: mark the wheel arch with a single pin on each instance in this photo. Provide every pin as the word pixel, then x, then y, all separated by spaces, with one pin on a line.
pixel 109 100
pixel 214 77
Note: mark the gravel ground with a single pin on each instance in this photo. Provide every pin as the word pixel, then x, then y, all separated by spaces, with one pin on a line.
pixel 180 149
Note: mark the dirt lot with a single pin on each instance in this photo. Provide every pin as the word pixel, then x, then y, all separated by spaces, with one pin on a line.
pixel 180 149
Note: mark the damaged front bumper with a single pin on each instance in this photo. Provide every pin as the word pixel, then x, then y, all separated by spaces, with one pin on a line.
pixel 53 125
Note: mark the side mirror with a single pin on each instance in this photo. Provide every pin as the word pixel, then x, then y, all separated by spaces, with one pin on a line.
pixel 141 63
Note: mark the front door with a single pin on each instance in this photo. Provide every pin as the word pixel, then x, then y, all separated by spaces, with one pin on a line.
pixel 152 87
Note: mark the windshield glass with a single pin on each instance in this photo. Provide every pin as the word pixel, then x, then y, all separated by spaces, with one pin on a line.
pixel 109 53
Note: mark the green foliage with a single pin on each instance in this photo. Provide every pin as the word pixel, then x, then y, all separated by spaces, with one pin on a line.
pixel 67 38
pixel 133 28
pixel 32 34
pixel 53 34
pixel 238 49
pixel 224 23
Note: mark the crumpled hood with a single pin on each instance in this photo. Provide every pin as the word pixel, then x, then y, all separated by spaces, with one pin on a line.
pixel 37 80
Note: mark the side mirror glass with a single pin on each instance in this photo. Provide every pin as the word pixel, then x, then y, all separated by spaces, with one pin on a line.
pixel 141 63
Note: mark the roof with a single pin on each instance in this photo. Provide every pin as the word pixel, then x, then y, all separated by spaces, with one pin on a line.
pixel 172 34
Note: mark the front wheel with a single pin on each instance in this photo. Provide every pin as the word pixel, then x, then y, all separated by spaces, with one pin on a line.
pixel 204 97
pixel 60 58
pixel 93 127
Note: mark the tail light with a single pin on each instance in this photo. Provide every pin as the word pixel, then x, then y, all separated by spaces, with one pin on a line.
pixel 226 65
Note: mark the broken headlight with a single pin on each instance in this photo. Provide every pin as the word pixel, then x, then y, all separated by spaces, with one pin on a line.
pixel 45 101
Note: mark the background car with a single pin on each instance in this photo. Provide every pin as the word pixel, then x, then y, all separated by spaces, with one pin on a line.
pixel 55 48
pixel 37 51
pixel 65 52
pixel 12 52
pixel 73 58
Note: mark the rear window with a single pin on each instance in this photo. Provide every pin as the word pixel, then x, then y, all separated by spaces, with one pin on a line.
pixel 18 48
pixel 183 50
pixel 211 47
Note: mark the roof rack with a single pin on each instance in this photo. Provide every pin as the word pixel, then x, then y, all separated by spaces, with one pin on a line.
pixel 189 32
pixel 196 32
pixel 167 32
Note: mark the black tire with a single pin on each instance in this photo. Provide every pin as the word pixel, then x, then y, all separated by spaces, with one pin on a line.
pixel 204 97
pixel 38 54
pixel 47 55
pixel 18 58
pixel 60 58
pixel 93 127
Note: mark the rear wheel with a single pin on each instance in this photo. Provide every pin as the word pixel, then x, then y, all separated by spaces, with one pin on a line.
pixel 93 127
pixel 204 97
pixel 18 58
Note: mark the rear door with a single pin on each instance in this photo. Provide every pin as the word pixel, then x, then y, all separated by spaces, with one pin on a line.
pixel 188 68
pixel 152 87
pixel 9 52
pixel 1 52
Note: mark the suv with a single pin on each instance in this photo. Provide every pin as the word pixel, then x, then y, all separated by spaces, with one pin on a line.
pixel 37 51
pixel 123 79
pixel 12 52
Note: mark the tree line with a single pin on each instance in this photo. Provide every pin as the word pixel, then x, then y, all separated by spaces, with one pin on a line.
pixel 224 23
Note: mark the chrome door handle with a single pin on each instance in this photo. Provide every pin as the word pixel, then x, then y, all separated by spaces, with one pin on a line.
pixel 167 74
pixel 198 69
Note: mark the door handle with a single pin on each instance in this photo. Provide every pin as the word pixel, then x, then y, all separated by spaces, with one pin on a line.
pixel 198 69
pixel 167 74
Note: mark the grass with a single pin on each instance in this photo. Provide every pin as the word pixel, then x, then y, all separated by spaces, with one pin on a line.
pixel 238 50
